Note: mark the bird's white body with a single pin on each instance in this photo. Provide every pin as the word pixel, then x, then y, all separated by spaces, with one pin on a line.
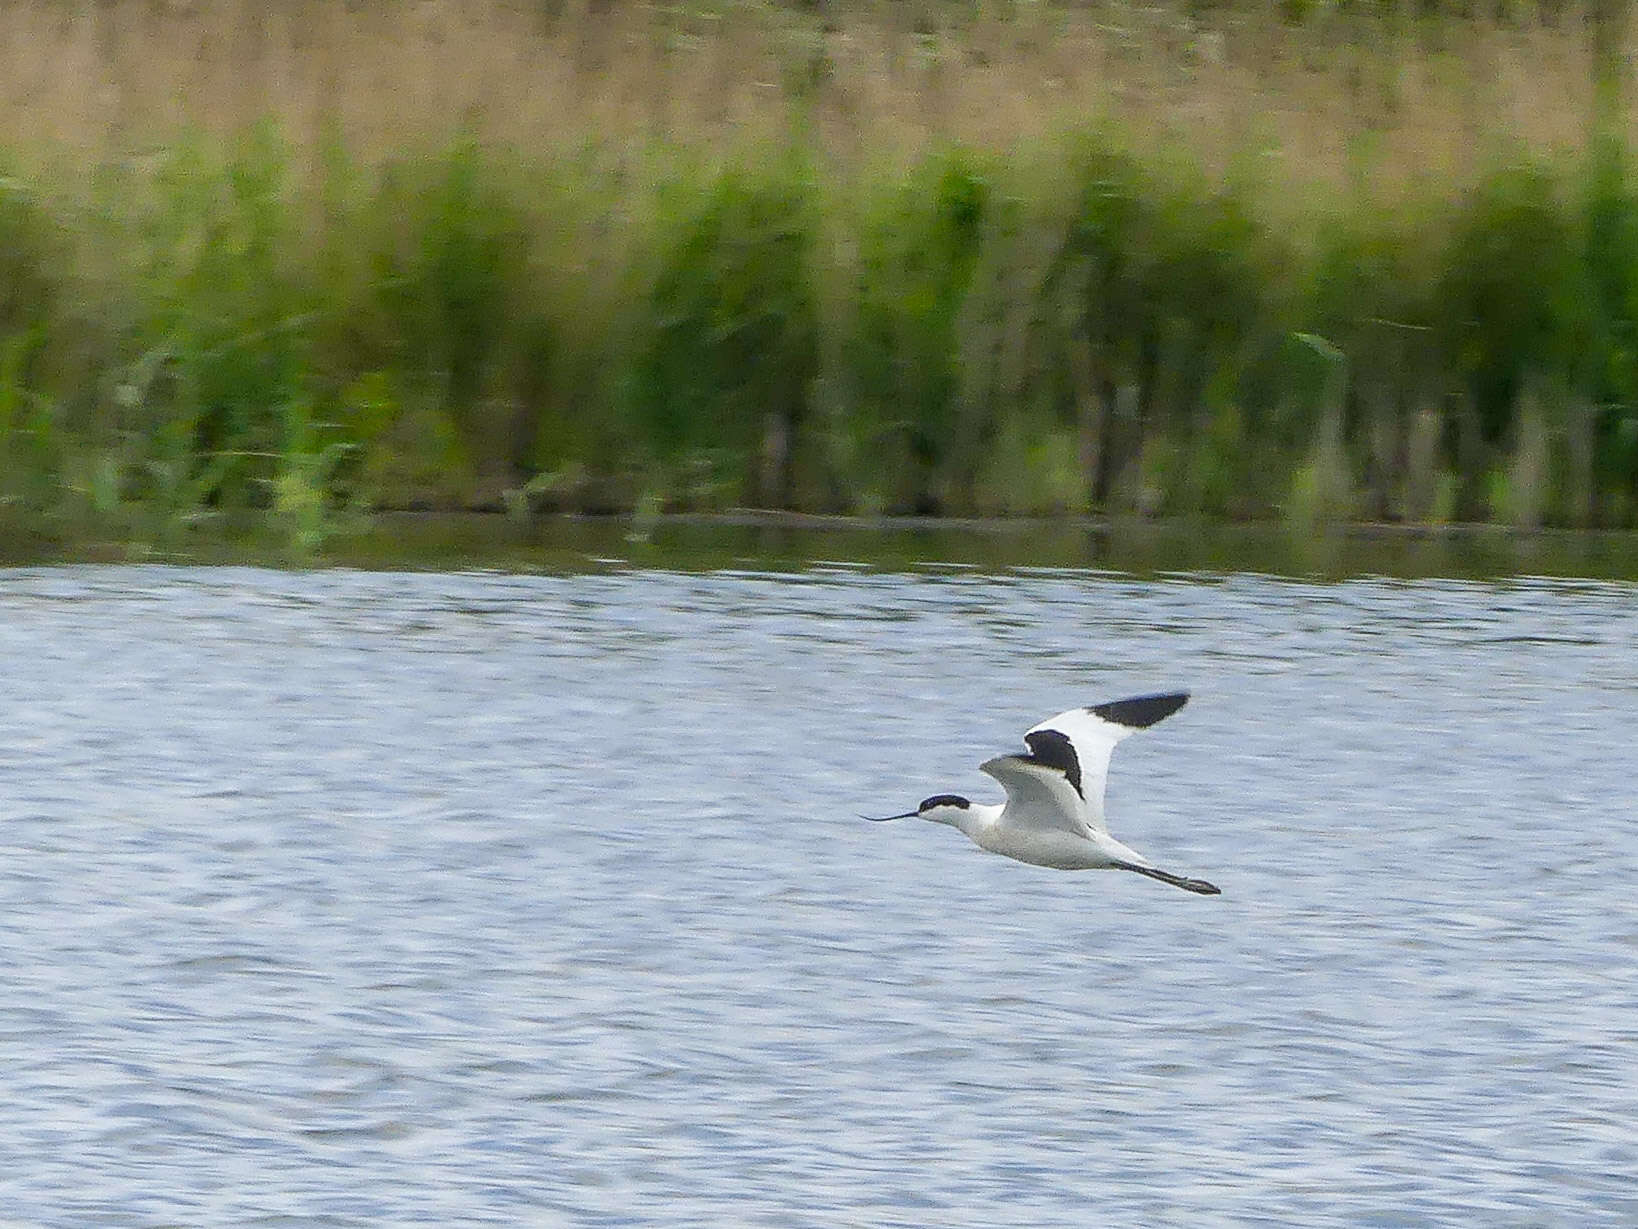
pixel 1053 815
pixel 990 828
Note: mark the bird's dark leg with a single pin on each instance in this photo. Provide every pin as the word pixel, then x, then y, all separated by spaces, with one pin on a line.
pixel 1199 886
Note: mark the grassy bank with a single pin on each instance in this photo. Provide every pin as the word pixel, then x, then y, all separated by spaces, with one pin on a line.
pixel 1338 262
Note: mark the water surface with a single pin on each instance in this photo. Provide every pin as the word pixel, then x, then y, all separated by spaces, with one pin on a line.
pixel 345 898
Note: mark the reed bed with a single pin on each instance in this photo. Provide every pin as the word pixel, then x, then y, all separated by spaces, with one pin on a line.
pixel 309 260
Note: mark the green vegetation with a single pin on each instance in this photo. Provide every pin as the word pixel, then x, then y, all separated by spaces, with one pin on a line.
pixel 304 314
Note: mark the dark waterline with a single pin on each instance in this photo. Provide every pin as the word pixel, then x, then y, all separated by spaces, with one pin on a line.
pixel 441 541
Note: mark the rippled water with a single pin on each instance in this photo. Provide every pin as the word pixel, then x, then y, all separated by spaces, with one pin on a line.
pixel 344 898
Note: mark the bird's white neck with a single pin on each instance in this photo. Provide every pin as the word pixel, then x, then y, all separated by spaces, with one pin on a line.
pixel 971 819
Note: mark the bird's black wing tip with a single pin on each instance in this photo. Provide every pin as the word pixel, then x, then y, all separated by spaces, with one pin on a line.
pixel 1140 712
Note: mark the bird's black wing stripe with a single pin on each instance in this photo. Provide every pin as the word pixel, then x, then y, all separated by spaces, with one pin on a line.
pixel 1052 749
pixel 1140 712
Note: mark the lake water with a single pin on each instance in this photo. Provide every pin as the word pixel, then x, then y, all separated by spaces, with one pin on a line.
pixel 347 898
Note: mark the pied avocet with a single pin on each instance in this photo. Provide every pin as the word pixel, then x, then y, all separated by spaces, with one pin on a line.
pixel 1053 815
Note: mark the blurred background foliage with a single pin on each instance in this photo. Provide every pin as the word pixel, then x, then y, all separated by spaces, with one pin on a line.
pixel 1359 259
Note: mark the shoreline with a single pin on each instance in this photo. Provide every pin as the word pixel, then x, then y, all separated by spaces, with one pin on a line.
pixel 785 541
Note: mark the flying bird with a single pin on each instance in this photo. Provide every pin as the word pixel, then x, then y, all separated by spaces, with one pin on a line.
pixel 1053 815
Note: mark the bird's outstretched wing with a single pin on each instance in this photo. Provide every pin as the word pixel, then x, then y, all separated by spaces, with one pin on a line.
pixel 1039 797
pixel 1078 743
